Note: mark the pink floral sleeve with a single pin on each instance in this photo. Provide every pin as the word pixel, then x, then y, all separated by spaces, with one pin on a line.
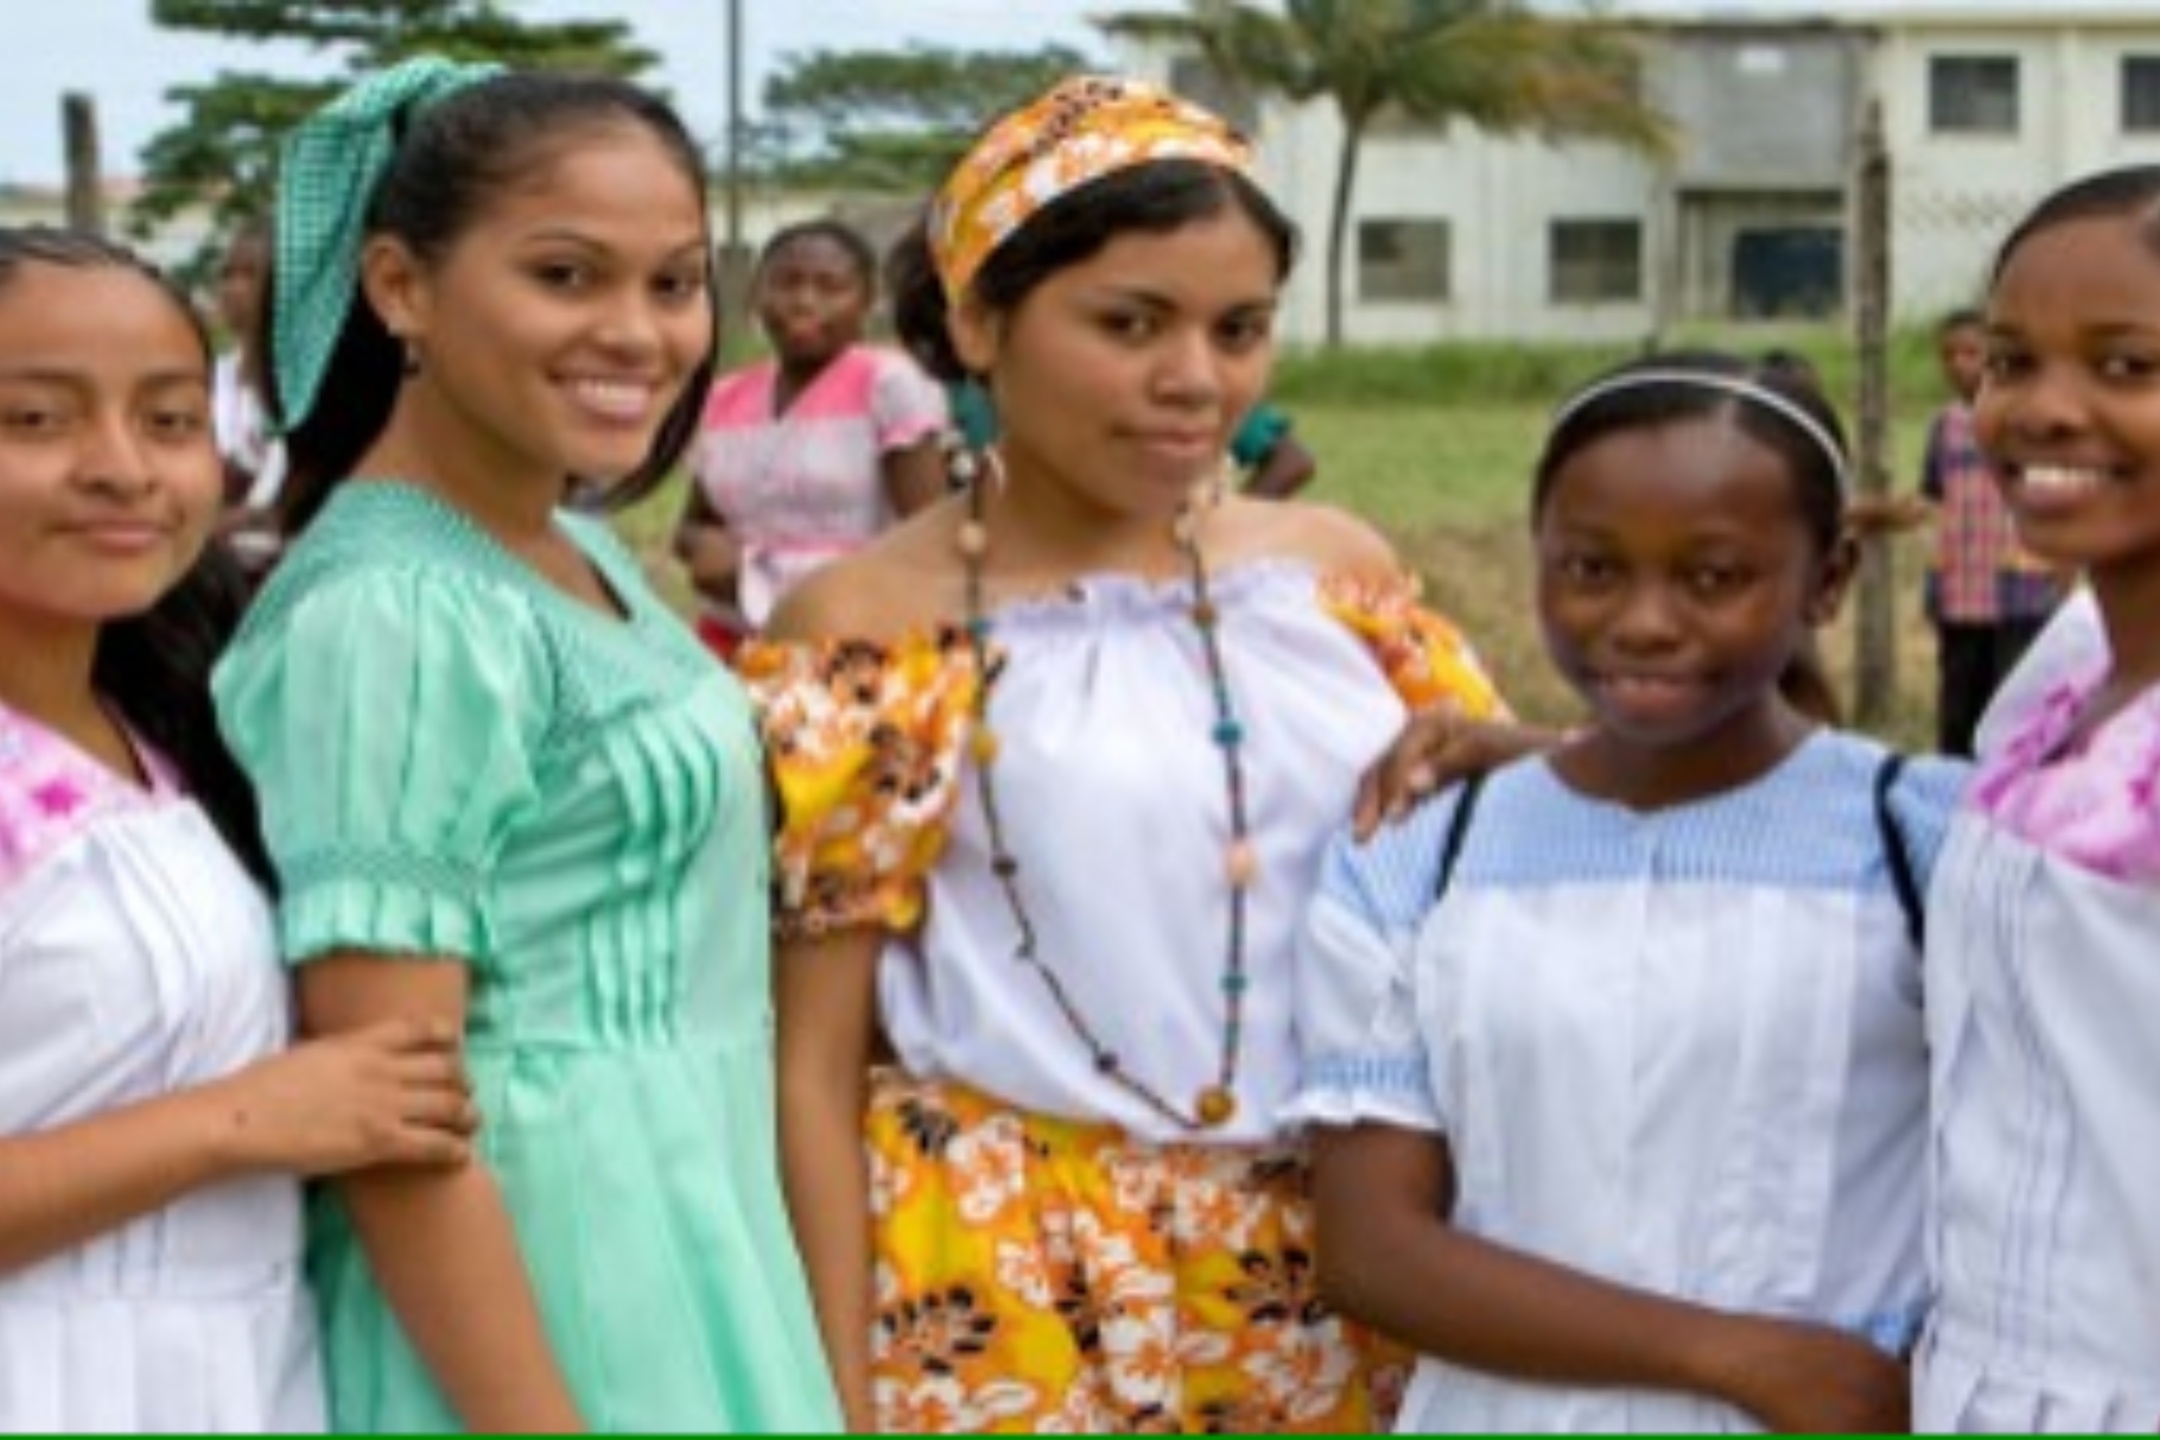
pixel 2097 805
pixel 49 792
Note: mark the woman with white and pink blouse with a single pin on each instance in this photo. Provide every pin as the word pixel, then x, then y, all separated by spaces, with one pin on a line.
pixel 807 455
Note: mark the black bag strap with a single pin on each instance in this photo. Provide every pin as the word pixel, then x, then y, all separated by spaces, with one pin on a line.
pixel 1902 878
pixel 1458 829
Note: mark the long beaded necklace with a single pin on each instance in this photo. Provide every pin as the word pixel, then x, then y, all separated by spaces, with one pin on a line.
pixel 1216 1104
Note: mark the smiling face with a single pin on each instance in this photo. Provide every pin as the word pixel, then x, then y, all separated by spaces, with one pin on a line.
pixel 2070 407
pixel 561 326
pixel 109 477
pixel 1120 378
pixel 1677 578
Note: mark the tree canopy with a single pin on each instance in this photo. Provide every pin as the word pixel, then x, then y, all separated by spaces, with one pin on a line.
pixel 1499 64
pixel 223 152
pixel 894 120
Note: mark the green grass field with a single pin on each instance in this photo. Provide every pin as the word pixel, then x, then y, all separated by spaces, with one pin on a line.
pixel 1435 447
pixel 1450 486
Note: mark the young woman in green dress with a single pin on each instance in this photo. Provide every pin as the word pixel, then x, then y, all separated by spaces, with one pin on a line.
pixel 503 784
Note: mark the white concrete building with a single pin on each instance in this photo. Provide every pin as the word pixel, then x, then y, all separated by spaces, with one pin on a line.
pixel 1984 106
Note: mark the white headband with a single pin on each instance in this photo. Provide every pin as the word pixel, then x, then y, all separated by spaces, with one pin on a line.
pixel 1733 385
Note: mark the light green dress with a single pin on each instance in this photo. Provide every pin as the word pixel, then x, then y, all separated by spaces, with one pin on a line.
pixel 457 759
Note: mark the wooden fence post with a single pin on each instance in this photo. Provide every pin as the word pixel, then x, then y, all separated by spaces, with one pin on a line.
pixel 1875 627
pixel 85 183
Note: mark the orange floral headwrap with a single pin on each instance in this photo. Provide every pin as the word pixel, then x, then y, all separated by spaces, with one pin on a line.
pixel 1080 130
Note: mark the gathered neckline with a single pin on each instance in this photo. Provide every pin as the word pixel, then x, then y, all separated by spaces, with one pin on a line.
pixel 631 614
pixel 1120 592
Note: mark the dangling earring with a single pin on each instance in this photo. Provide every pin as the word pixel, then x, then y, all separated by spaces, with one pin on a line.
pixel 411 364
pixel 966 467
pixel 962 467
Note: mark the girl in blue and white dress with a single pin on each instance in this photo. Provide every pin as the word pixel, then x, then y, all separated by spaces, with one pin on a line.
pixel 2045 996
pixel 154 1121
pixel 1615 1059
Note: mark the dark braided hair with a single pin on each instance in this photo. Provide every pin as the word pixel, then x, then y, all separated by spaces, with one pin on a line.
pixel 824 227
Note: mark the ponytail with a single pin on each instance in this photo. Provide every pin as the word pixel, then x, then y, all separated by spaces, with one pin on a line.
pixel 1805 683
pixel 155 669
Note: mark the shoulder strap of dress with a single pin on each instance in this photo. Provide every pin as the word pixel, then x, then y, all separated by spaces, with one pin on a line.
pixel 1894 851
pixel 1458 831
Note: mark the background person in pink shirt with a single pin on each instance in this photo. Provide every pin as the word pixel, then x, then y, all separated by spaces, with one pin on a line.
pixel 805 456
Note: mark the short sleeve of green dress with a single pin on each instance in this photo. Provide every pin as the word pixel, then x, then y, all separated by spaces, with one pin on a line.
pixel 457 761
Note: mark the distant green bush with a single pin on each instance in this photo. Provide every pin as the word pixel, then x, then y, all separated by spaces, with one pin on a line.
pixel 1517 373
pixel 1450 374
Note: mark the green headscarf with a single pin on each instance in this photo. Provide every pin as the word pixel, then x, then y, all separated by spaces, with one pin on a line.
pixel 327 179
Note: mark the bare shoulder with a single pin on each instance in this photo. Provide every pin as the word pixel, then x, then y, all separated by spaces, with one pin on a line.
pixel 1326 537
pixel 900 583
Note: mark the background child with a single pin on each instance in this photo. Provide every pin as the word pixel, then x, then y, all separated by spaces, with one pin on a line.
pixel 254 456
pixel 152 1122
pixel 2044 991
pixel 240 421
pixel 1986 596
pixel 1624 1130
pixel 503 785
pixel 808 455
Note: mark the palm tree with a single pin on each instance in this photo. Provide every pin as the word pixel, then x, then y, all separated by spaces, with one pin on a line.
pixel 1496 63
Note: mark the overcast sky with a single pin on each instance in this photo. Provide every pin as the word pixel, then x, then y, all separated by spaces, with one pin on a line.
pixel 109 50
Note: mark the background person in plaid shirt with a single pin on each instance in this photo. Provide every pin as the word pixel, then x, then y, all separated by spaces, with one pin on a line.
pixel 1986 596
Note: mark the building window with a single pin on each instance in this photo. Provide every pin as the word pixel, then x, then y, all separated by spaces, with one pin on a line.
pixel 1596 260
pixel 2141 93
pixel 1973 94
pixel 1403 260
pixel 1788 270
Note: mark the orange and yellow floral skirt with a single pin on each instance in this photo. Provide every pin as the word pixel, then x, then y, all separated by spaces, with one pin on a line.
pixel 1043 1274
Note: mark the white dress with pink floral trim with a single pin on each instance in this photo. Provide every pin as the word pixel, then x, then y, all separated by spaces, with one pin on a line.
pixel 136 958
pixel 2043 1017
